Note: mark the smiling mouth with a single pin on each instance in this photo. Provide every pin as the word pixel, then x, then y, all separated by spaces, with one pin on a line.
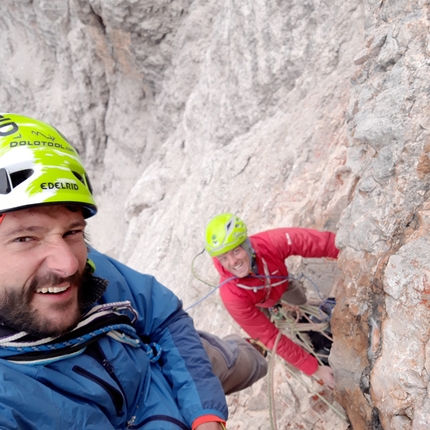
pixel 238 266
pixel 52 290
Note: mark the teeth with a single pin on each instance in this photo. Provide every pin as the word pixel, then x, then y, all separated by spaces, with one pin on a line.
pixel 237 267
pixel 52 290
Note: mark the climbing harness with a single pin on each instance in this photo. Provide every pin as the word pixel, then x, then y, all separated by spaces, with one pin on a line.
pixel 267 285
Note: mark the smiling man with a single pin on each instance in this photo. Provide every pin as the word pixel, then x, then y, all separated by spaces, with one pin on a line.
pixel 86 342
pixel 254 277
pixel 41 286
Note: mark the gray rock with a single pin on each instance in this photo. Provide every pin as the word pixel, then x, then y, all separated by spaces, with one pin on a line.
pixel 293 113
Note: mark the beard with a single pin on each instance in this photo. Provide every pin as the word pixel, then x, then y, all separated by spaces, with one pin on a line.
pixel 16 309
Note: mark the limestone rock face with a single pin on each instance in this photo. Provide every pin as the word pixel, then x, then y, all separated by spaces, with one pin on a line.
pixel 288 113
pixel 384 230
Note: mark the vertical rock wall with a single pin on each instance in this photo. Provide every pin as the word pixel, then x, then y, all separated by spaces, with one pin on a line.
pixel 302 113
pixel 380 324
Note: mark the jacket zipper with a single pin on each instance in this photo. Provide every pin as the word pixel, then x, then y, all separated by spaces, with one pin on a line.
pixel 114 394
pixel 109 368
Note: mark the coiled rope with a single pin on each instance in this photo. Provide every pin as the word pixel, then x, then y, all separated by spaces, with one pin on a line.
pixel 293 330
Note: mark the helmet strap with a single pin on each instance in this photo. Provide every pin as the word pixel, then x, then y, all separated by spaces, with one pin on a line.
pixel 1 217
pixel 246 245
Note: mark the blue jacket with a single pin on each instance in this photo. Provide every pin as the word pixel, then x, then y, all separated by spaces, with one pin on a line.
pixel 113 385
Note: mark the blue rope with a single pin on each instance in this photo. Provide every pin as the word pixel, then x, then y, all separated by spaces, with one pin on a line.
pixel 211 292
pixel 125 328
pixel 323 301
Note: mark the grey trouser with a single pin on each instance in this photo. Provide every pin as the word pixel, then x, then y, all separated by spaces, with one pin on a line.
pixel 235 361
pixel 295 294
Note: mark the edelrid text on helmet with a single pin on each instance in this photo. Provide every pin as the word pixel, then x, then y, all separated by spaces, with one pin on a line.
pixel 223 233
pixel 39 166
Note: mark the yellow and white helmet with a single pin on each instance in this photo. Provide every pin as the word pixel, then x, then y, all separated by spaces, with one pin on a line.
pixel 39 166
pixel 224 232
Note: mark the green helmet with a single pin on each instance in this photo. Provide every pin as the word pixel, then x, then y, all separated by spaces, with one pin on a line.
pixel 39 166
pixel 224 233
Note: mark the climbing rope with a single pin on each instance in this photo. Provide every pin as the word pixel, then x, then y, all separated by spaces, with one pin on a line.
pixel 215 287
pixel 271 386
pixel 194 272
pixel 294 329
pixel 312 391
pixel 210 292
pixel 287 322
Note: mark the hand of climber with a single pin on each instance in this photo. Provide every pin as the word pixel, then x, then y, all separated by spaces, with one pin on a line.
pixel 326 375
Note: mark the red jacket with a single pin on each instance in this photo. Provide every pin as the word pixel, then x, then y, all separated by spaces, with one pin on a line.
pixel 272 247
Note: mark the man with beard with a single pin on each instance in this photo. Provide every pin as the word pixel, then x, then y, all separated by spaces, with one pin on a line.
pixel 86 342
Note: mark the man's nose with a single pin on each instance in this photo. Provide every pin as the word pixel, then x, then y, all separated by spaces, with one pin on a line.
pixel 232 260
pixel 61 259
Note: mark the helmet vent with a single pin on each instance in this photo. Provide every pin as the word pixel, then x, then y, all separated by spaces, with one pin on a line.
pixel 5 187
pixel 89 184
pixel 20 176
pixel 79 177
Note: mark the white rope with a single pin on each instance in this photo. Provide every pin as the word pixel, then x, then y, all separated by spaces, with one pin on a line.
pixel 272 411
pixel 291 328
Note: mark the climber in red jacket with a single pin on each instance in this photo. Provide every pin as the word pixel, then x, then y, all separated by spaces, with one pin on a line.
pixel 254 275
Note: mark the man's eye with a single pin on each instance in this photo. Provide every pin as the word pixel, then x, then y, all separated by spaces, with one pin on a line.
pixel 74 232
pixel 23 239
